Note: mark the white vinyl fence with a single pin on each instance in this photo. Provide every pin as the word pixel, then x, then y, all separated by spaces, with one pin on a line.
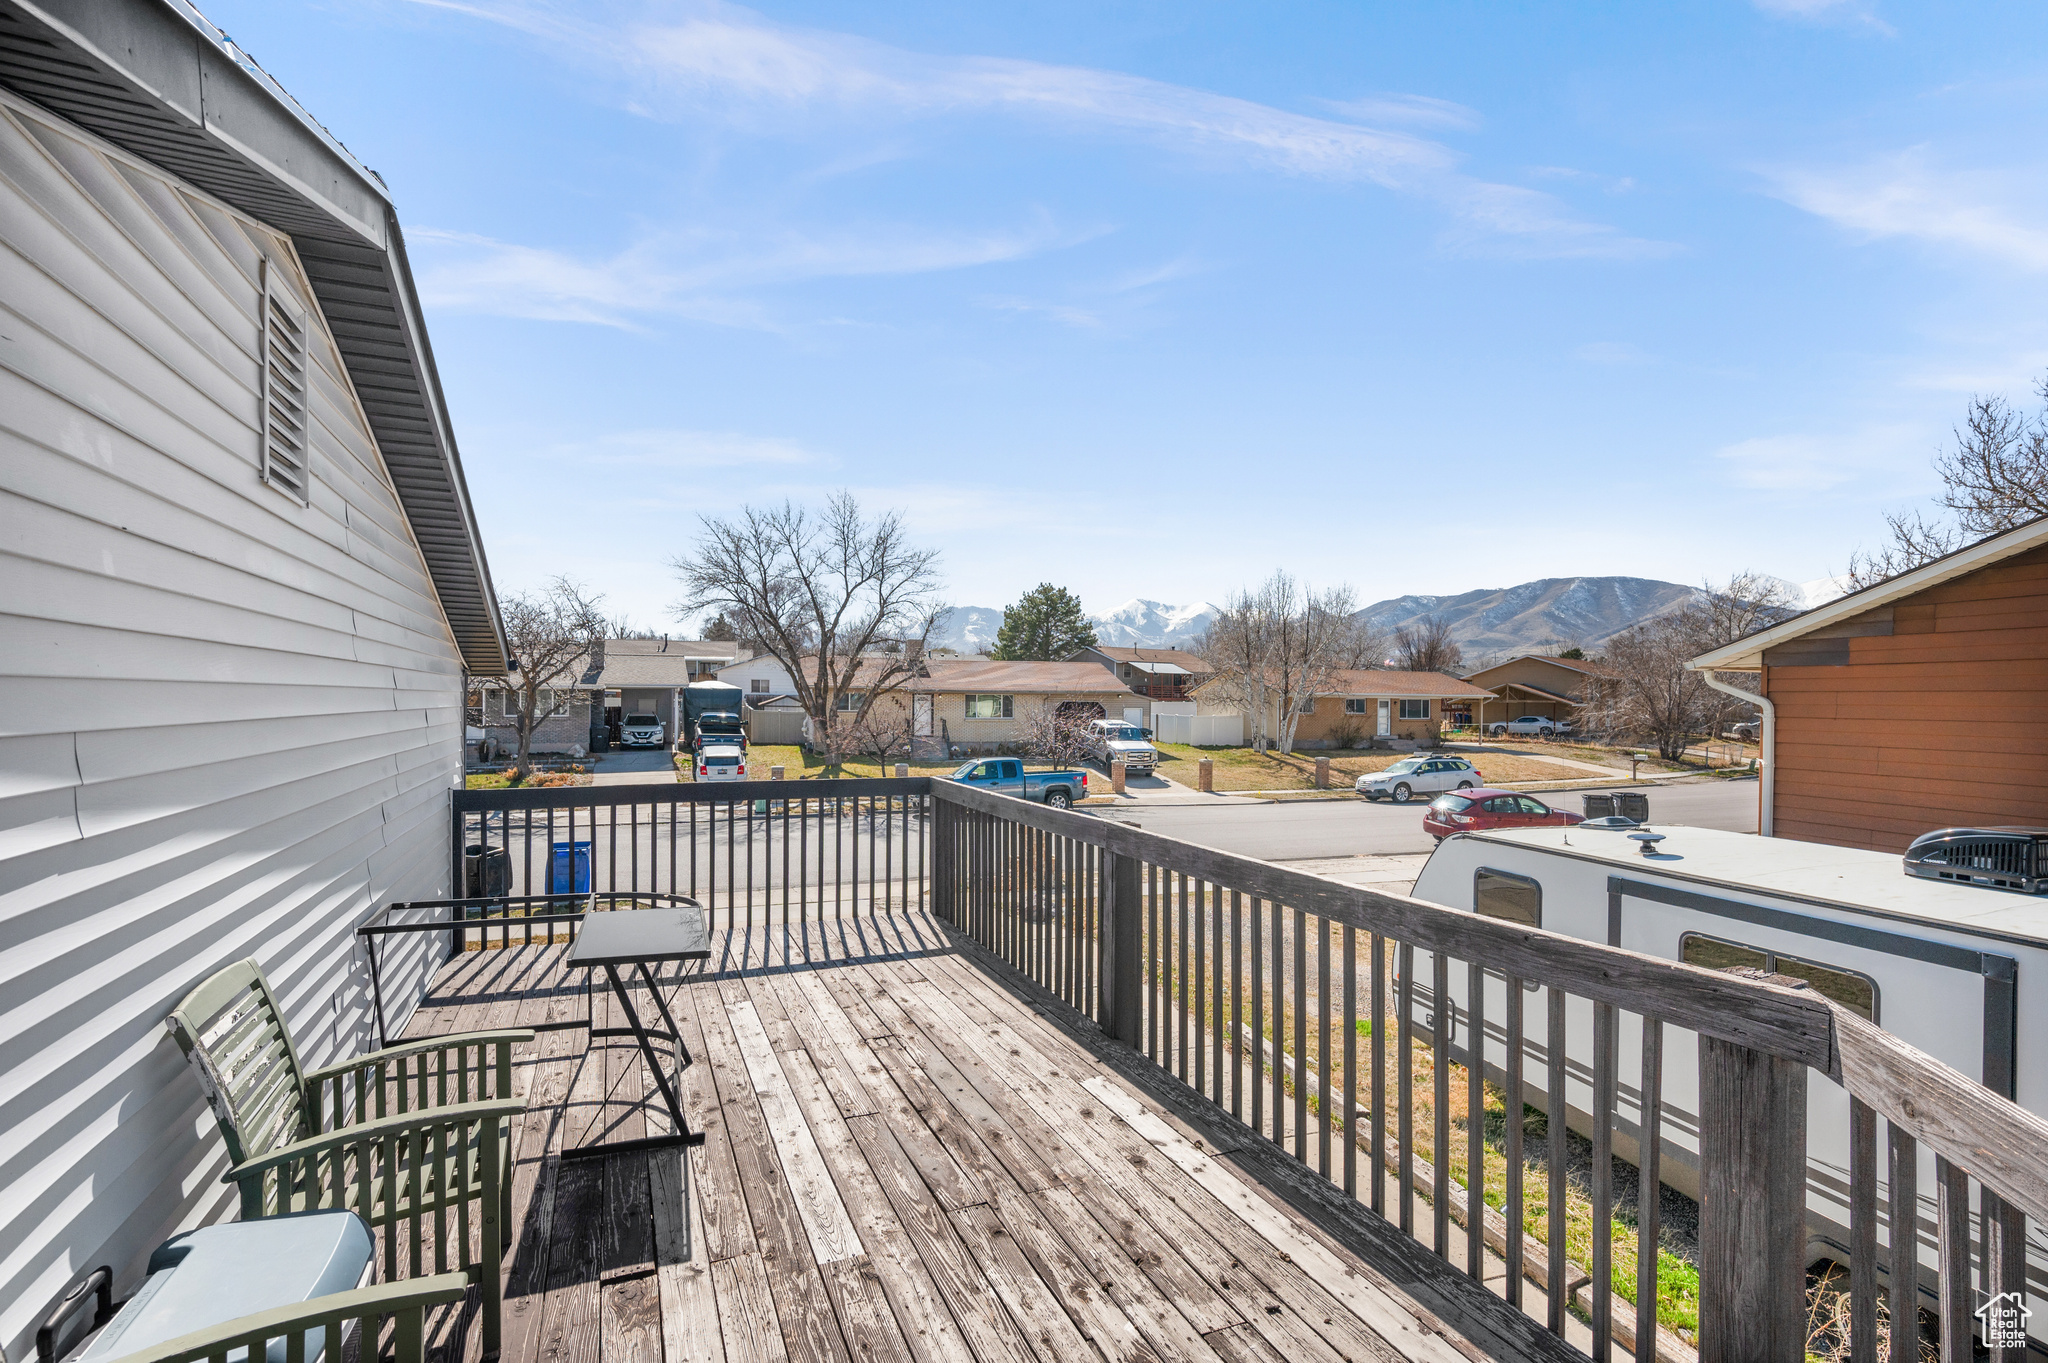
pixel 1203 731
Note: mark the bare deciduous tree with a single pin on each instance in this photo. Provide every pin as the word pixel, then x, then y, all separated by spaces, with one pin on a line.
pixel 550 632
pixel 1278 645
pixel 1427 646
pixel 822 593
pixel 1996 477
pixel 880 733
pixel 1656 696
pixel 1056 734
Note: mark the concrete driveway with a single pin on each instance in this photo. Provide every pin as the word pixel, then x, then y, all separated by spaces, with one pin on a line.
pixel 635 767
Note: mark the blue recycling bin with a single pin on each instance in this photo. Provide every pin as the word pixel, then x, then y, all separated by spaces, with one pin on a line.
pixel 569 868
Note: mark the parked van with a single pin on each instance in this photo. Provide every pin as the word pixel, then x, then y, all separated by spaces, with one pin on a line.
pixel 1939 964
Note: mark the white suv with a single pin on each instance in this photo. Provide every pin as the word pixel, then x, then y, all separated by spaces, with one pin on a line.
pixel 721 762
pixel 1419 775
pixel 642 731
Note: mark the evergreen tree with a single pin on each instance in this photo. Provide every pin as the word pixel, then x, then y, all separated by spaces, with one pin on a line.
pixel 720 630
pixel 1046 625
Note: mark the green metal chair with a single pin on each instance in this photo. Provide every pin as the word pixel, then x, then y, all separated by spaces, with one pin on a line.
pixel 279 1335
pixel 416 1138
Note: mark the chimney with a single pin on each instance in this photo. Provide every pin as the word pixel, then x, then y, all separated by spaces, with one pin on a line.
pixel 664 643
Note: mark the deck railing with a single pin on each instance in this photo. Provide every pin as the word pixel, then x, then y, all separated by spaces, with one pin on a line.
pixel 1270 992
pixel 1338 1022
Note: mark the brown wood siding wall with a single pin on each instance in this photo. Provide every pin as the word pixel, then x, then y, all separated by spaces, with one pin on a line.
pixel 1943 722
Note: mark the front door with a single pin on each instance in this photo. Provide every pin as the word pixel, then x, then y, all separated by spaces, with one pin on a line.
pixel 1386 718
pixel 921 715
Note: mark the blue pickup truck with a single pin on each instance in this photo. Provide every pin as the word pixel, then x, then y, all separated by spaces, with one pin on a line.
pixel 1007 776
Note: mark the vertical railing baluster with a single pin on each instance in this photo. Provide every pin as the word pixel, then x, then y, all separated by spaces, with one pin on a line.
pixel 2004 1254
pixel 1952 1227
pixel 1475 1123
pixel 1350 948
pixel 1511 1107
pixel 1258 1066
pixel 1323 1046
pixel 1605 1023
pixel 1443 1017
pixel 1377 1069
pixel 1902 1208
pixel 1650 1189
pixel 1180 991
pixel 1554 1173
pixel 1279 1010
pixel 1198 985
pixel 1404 1083
pixel 1862 1233
pixel 1237 985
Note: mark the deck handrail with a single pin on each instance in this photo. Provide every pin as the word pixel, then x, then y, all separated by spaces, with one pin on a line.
pixel 1132 928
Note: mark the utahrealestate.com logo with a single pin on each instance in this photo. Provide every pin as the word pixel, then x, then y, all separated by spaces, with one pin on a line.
pixel 2004 1319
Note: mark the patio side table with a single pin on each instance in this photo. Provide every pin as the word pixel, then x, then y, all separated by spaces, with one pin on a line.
pixel 638 938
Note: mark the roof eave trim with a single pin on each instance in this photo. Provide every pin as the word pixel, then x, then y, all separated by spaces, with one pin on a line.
pixel 1746 655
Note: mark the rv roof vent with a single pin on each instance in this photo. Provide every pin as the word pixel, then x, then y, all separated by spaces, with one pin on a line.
pixel 1647 842
pixel 1998 858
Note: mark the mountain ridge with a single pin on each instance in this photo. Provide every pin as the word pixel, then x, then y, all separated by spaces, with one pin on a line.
pixel 1549 613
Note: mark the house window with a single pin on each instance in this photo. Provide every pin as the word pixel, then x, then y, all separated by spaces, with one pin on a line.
pixel 1511 898
pixel 1415 709
pixel 849 701
pixel 1307 706
pixel 991 707
pixel 283 407
pixel 552 703
pixel 759 686
pixel 1852 989
pixel 1355 705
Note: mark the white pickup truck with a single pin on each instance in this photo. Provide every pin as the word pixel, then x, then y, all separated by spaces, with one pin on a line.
pixel 1112 740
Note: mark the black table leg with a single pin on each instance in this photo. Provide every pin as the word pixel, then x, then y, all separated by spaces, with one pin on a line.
pixel 680 1133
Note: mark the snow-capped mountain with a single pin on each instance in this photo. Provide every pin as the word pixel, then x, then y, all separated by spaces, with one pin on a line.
pixel 1149 624
pixel 1134 624
pixel 968 629
pixel 1492 624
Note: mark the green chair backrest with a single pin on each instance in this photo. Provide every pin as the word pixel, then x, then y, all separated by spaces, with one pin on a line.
pixel 233 1032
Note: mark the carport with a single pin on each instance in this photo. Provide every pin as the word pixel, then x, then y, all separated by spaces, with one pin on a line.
pixel 1516 699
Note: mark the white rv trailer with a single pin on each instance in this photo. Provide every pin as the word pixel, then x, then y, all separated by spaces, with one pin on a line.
pixel 1955 970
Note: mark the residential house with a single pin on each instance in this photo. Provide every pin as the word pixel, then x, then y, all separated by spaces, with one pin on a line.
pixel 620 677
pixel 1912 705
pixel 1362 704
pixel 243 585
pixel 764 677
pixel 975 705
pixel 1534 684
pixel 1158 674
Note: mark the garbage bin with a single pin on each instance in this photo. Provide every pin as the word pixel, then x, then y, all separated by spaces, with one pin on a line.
pixel 1599 805
pixel 1632 804
pixel 569 868
pixel 486 871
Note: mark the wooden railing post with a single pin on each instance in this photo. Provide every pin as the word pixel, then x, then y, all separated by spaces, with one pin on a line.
pixel 944 819
pixel 1752 1205
pixel 1123 947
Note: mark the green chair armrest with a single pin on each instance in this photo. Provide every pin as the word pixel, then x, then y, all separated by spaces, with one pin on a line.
pixel 416 1293
pixel 396 1124
pixel 518 1036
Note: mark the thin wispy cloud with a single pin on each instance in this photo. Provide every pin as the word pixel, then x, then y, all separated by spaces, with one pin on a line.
pixel 1907 195
pixel 1408 111
pixel 701 275
pixel 729 64
pixel 1826 11
pixel 1819 463
pixel 687 450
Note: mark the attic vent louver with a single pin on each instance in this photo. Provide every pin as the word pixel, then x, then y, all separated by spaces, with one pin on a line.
pixel 284 391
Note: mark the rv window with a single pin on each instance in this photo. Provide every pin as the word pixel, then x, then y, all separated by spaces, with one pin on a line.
pixel 1855 992
pixel 1499 894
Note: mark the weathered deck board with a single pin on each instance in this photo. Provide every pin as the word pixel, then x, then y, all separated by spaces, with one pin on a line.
pixel 903 1160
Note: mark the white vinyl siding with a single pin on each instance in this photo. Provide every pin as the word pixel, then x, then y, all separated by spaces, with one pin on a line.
pixel 229 719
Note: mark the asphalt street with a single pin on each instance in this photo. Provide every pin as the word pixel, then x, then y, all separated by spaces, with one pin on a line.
pixel 1300 831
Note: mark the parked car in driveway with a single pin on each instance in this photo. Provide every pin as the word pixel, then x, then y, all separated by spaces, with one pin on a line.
pixel 642 731
pixel 1483 809
pixel 1111 740
pixel 1418 776
pixel 721 762
pixel 1529 726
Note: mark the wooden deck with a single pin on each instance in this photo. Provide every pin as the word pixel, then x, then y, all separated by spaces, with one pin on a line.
pixel 911 1155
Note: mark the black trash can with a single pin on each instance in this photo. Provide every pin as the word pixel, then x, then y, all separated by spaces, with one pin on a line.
pixel 1599 805
pixel 1632 804
pixel 486 871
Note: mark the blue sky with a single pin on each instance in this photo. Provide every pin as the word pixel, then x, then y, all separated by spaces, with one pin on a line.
pixel 1150 299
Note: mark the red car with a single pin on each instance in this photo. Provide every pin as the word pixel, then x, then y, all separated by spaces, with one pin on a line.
pixel 1479 811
